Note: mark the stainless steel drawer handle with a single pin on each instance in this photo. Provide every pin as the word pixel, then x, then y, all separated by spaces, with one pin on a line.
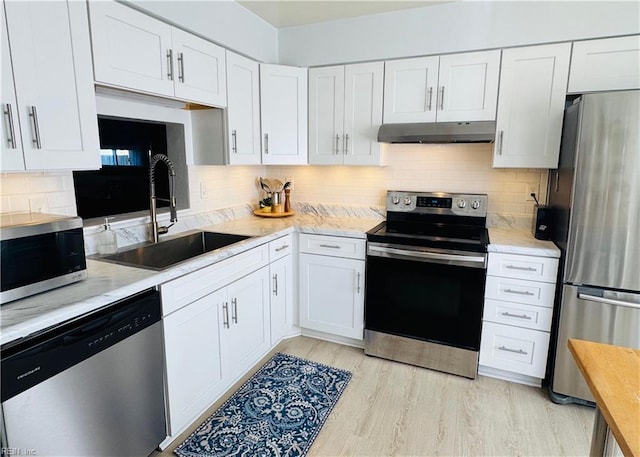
pixel 358 282
pixel 234 142
pixel 515 267
pixel 225 315
pixel 33 114
pixel 170 64
pixel 266 143
pixel 515 351
pixel 275 284
pixel 330 246
pixel 430 98
pixel 500 137
pixel 519 292
pixel 337 144
pixel 346 143
pixel 11 137
pixel 609 301
pixel 234 311
pixel 181 67
pixel 284 246
pixel 519 316
pixel 442 98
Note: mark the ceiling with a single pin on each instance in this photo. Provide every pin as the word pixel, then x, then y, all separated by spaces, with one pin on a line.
pixel 286 13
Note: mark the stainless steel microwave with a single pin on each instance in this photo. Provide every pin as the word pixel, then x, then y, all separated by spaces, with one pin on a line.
pixel 39 252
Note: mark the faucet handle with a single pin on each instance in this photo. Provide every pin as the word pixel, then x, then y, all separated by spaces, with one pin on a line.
pixel 173 210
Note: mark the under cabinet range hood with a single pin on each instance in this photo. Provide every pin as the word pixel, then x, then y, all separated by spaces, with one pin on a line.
pixel 440 132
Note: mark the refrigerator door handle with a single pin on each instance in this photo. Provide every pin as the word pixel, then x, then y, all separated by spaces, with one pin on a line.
pixel 608 301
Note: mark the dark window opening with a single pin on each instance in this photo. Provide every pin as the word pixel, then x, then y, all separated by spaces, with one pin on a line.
pixel 122 184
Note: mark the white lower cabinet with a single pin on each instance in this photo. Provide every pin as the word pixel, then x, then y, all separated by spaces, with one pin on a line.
pixel 243 317
pixel 514 349
pixel 216 326
pixel 283 319
pixel 193 360
pixel 332 285
pixel 518 310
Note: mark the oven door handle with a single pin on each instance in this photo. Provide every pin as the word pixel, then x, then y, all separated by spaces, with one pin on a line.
pixel 435 257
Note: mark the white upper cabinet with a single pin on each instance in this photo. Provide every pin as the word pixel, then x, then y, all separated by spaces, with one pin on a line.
pixel 409 89
pixel 326 115
pixel 243 110
pixel 345 112
pixel 468 86
pixel 49 116
pixel 533 85
pixel 200 74
pixel 164 60
pixel 607 64
pixel 450 88
pixel 283 114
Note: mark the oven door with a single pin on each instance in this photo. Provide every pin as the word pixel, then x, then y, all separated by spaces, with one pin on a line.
pixel 428 294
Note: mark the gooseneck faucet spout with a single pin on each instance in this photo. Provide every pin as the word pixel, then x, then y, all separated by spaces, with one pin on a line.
pixel 155 229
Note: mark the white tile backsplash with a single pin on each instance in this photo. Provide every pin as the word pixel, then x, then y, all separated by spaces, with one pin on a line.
pixel 449 168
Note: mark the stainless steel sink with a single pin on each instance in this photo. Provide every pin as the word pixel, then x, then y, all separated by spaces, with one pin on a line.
pixel 165 254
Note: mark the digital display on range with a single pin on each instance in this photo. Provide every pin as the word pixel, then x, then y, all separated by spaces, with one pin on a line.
pixel 433 202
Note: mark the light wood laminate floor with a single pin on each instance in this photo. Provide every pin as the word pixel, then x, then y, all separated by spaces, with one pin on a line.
pixel 393 409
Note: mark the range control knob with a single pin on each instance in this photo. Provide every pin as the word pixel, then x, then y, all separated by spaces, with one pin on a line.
pixel 395 200
pixel 475 204
pixel 407 201
pixel 462 203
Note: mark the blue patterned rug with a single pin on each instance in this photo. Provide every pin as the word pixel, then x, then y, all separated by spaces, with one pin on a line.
pixel 279 411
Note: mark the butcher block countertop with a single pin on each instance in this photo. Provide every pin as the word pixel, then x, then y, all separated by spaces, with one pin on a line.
pixel 613 376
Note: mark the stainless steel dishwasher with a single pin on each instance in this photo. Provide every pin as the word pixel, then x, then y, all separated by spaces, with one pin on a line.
pixel 90 387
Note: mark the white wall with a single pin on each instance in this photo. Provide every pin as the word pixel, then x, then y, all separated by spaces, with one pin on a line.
pixel 455 27
pixel 223 21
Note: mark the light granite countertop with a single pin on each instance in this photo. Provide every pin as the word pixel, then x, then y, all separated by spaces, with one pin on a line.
pixel 511 241
pixel 108 283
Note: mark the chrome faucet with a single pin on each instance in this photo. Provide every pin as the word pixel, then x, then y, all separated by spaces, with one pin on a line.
pixel 155 230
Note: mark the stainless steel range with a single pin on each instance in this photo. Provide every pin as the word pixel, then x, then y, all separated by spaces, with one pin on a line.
pixel 425 279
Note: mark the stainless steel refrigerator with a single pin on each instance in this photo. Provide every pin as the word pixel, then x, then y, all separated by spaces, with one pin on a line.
pixel 595 199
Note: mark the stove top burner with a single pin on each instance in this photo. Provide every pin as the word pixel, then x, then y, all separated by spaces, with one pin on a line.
pixel 434 219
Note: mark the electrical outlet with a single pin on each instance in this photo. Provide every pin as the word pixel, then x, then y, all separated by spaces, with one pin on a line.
pixel 532 189
pixel 204 192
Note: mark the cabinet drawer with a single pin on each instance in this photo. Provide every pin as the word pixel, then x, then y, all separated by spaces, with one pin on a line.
pixel 523 267
pixel 336 246
pixel 280 247
pixel 191 287
pixel 518 314
pixel 520 291
pixel 514 349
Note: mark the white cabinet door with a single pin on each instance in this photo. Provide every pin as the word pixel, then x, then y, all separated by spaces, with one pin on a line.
pixel 364 85
pixel 468 86
pixel 243 110
pixel 131 49
pixel 12 157
pixel 332 295
pixel 192 357
pixel 514 349
pixel 326 115
pixel 56 107
pixel 282 319
pixel 283 96
pixel 608 64
pixel 245 323
pixel 533 85
pixel 200 75
pixel 409 90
